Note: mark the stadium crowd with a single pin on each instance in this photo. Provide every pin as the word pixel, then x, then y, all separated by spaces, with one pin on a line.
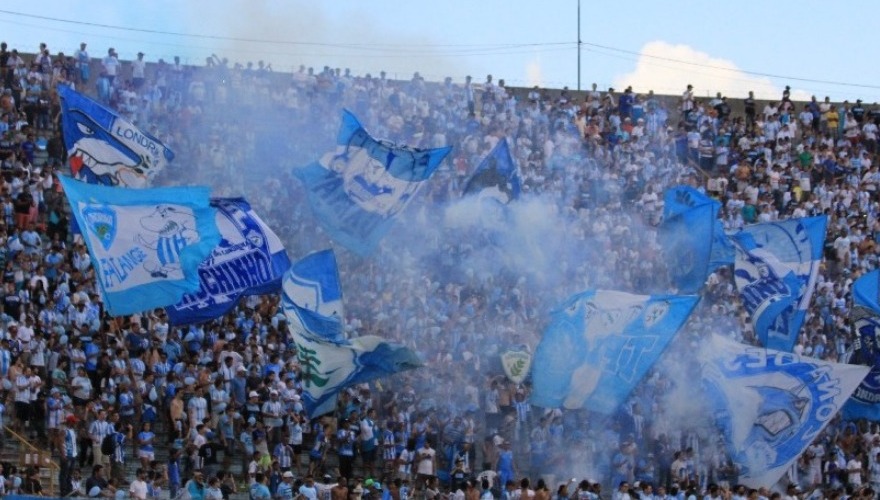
pixel 190 405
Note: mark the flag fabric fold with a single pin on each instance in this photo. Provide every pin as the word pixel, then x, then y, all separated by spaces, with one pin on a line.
pixel 146 244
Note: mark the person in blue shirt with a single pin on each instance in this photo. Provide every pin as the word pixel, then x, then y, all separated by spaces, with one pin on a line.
pixel 285 489
pixel 259 489
pixel 505 466
pixel 195 487
pixel 145 444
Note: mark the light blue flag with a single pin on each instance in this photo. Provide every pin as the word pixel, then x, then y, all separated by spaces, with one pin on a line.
pixel 329 366
pixel 356 191
pixel 776 267
pixel 250 260
pixel 600 344
pixel 315 297
pixel 770 405
pixel 496 177
pixel 865 318
pixel 687 234
pixel 105 148
pixel 146 244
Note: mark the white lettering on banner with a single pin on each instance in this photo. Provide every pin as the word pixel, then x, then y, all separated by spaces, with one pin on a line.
pixel 136 136
pixel 115 270
pixel 249 270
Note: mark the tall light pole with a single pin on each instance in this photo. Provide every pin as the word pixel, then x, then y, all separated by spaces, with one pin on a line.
pixel 579 45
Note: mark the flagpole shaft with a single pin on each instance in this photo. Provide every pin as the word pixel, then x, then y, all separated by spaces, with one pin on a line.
pixel 579 45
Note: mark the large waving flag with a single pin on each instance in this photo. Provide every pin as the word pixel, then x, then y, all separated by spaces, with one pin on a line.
pixel 250 260
pixel 145 244
pixel 865 318
pixel 496 177
pixel 105 148
pixel 600 344
pixel 309 292
pixel 686 236
pixel 776 267
pixel 356 191
pixel 770 405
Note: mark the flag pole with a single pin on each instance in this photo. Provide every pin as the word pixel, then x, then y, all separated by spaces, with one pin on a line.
pixel 579 45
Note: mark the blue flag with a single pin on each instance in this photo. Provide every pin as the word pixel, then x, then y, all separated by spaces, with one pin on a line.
pixel 723 251
pixel 776 267
pixel 770 405
pixel 356 191
pixel 496 176
pixel 145 244
pixel 312 287
pixel 105 148
pixel 250 260
pixel 309 291
pixel 600 344
pixel 865 318
pixel 687 234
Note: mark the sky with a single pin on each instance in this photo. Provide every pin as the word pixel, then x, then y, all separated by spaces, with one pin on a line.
pixel 661 46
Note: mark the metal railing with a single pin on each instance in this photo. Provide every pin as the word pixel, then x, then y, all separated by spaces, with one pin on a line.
pixel 37 457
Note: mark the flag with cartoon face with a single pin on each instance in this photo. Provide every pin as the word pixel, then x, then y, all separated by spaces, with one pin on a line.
pixel 106 148
pixel 777 264
pixel 357 190
pixel 146 244
pixel 600 344
pixel 770 405
pixel 312 302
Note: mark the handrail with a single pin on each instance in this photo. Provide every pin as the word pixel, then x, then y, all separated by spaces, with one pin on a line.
pixel 23 440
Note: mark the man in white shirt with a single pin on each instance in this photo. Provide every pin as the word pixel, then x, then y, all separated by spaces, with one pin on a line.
pixel 138 487
pixel 110 65
pixel 138 67
pixel 854 471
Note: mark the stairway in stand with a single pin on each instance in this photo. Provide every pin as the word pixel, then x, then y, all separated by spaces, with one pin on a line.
pixel 18 451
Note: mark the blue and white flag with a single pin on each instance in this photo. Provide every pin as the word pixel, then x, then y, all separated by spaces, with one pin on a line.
pixel 600 344
pixel 770 405
pixel 687 234
pixel 250 260
pixel 776 267
pixel 315 297
pixel 146 244
pixel 329 366
pixel 865 318
pixel 496 177
pixel 105 148
pixel 356 191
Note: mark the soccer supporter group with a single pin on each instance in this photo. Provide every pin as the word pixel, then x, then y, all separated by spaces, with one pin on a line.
pixel 133 406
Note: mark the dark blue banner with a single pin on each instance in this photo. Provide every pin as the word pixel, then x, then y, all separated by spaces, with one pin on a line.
pixel 250 260
pixel 865 318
